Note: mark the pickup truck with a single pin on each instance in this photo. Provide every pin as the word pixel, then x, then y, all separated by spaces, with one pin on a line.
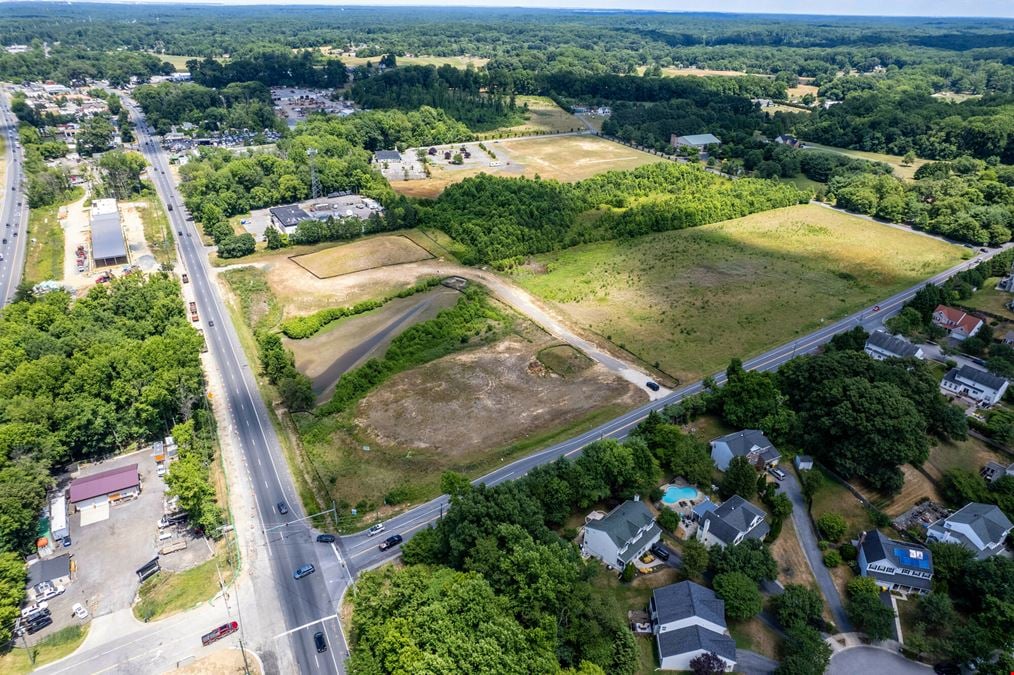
pixel 219 633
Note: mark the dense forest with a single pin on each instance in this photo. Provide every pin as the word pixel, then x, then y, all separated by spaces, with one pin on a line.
pixel 272 66
pixel 239 105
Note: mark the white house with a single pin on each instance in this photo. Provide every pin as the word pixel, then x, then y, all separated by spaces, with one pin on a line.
pixel 981 528
pixel 626 533
pixel 689 620
pixel 961 324
pixel 749 443
pixel 882 346
pixel 732 522
pixel 978 385
pixel 895 565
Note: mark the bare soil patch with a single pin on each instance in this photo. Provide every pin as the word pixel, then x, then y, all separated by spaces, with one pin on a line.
pixel 225 662
pixel 362 255
pixel 487 398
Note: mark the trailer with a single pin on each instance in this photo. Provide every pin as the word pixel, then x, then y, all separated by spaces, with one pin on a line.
pixel 193 312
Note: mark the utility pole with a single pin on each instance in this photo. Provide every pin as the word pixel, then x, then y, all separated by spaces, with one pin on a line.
pixel 315 190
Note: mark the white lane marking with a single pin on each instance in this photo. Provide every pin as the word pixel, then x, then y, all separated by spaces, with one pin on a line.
pixel 304 626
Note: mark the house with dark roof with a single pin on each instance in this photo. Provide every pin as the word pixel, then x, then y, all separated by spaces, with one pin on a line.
pixel 882 346
pixel 994 471
pixel 733 521
pixel 694 141
pixel 895 565
pixel 623 535
pixel 288 217
pixel 689 620
pixel 53 570
pixel 386 156
pixel 749 443
pixel 981 528
pixel 789 140
pixel 960 323
pixel 972 383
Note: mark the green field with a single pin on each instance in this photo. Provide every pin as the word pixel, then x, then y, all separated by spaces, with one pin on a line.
pixel 170 592
pixel 906 172
pixel 692 299
pixel 157 231
pixel 49 649
pixel 44 259
pixel 989 299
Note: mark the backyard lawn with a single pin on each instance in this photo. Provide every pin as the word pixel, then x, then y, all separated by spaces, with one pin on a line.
pixel 690 300
pixel 989 299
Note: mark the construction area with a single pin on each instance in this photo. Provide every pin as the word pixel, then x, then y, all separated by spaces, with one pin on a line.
pixel 102 241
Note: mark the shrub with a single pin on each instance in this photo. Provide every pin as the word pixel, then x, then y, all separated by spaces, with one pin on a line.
pixel 832 526
pixel 832 558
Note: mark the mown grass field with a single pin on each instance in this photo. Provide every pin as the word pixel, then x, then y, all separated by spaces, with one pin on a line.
pixel 900 170
pixel 695 72
pixel 989 299
pixel 362 255
pixel 157 231
pixel 171 592
pixel 543 116
pixel 460 62
pixel 690 300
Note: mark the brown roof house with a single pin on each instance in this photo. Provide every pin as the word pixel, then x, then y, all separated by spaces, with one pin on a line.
pixel 92 495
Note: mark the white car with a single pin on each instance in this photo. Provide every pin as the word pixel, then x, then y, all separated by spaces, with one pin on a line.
pixel 33 609
pixel 47 591
pixel 376 529
pixel 79 611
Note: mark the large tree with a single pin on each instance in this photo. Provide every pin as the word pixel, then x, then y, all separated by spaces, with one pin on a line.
pixel 740 593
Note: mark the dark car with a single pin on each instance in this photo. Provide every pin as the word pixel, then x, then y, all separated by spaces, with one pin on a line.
pixel 66 541
pixel 325 538
pixel 304 571
pixel 283 508
pixel 660 551
pixel 652 385
pixel 947 668
pixel 219 633
pixel 38 623
pixel 318 641
pixel 170 207
pixel 391 541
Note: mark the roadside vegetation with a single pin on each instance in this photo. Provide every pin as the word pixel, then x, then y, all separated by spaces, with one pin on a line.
pixel 51 648
pixel 167 593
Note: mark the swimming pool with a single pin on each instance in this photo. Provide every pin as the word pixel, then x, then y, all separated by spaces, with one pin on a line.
pixel 674 494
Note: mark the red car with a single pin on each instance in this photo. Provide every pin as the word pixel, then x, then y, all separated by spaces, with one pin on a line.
pixel 219 633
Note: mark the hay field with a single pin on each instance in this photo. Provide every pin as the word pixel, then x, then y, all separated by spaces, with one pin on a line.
pixel 461 62
pixel 543 116
pixel 361 255
pixel 697 72
pixel 692 299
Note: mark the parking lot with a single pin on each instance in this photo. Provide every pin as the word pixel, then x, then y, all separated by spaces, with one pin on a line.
pixel 337 207
pixel 105 554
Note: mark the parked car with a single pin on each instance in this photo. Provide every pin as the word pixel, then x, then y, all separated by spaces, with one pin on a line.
pixel 777 473
pixel 186 279
pixel 46 591
pixel 38 623
pixel 325 538
pixel 66 541
pixel 219 633
pixel 32 611
pixel 376 529
pixel 391 541
pixel 652 385
pixel 283 508
pixel 79 610
pixel 660 551
pixel 318 641
pixel 304 571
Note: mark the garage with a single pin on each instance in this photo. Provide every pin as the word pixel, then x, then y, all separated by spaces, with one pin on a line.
pixel 92 495
pixel 95 512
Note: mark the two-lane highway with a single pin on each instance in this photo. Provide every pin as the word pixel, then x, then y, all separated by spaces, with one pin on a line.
pixel 13 206
pixel 309 604
pixel 363 552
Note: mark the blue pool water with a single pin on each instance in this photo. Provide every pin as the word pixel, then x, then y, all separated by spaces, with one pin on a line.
pixel 675 494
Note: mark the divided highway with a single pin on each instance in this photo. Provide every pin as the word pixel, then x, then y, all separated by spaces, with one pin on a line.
pixel 13 206
pixel 308 605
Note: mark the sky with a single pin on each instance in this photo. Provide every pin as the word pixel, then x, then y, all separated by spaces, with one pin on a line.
pixel 991 8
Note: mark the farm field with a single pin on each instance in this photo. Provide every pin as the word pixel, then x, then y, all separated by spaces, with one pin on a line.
pixel 543 116
pixel 692 299
pixel 361 255
pixel 564 158
pixel 906 172
pixel 801 90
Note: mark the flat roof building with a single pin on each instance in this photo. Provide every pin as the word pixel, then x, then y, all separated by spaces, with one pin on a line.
pixel 287 217
pixel 108 246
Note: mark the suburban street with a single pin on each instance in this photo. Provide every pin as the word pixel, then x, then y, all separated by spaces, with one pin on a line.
pixel 13 206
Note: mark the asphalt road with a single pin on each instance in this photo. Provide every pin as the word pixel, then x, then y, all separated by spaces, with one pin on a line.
pixel 309 604
pixel 363 553
pixel 13 215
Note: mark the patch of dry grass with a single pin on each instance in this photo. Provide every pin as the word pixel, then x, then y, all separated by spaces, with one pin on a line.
pixel 362 255
pixel 543 116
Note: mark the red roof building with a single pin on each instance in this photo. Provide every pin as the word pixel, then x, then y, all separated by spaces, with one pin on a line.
pixel 961 324
pixel 122 481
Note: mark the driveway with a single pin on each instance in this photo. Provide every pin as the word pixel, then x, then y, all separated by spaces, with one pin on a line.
pixel 874 660
pixel 753 663
pixel 808 540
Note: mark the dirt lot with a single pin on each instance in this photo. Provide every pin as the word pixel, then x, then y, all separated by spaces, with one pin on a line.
pixel 565 158
pixel 225 662
pixel 362 255
pixel 501 390
pixel 348 343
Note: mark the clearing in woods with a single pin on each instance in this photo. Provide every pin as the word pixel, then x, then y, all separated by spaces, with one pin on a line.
pixel 361 255
pixel 544 116
pixel 564 158
pixel 693 299
pixel 900 170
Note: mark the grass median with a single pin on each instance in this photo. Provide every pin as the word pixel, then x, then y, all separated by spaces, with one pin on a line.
pixel 52 648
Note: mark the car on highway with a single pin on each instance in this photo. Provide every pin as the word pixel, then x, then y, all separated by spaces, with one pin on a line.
pixel 391 542
pixel 375 530
pixel 325 538
pixel 304 571
pixel 319 642
pixel 219 633
pixel 283 508
pixel 211 323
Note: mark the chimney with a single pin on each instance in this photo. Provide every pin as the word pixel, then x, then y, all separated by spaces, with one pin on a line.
pixel 637 498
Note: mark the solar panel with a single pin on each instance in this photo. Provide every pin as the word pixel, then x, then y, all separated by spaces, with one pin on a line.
pixel 912 558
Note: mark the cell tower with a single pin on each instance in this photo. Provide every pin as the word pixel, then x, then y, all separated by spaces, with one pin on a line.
pixel 314 180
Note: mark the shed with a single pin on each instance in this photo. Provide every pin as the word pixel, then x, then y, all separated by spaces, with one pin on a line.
pixel 108 246
pixel 803 462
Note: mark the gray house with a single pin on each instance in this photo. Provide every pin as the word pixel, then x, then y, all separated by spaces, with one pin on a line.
pixel 881 346
pixel 895 565
pixel 732 522
pixel 696 141
pixel 688 620
pixel 981 528
pixel 749 443
pixel 624 534
pixel 972 383
pixel 994 471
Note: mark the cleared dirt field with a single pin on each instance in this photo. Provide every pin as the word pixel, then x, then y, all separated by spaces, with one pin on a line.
pixel 693 299
pixel 361 255
pixel 565 158
pixel 348 343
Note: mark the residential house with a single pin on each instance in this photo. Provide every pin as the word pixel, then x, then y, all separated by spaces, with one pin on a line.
pixel 981 528
pixel 1008 338
pixel 698 142
pixel 978 385
pixel 803 462
pixel 993 471
pixel 882 346
pixel 732 522
pixel 789 140
pixel 749 443
pixel 895 565
pixel 689 620
pixel 762 102
pixel 623 535
pixel 961 324
pixel 390 156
